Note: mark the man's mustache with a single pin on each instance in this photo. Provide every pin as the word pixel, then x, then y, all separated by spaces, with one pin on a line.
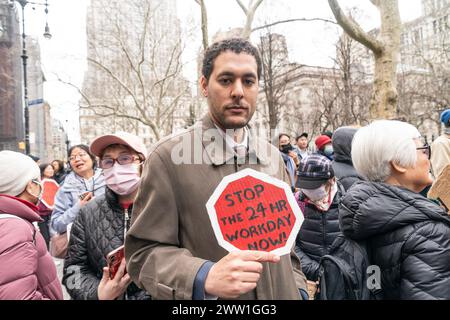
pixel 236 106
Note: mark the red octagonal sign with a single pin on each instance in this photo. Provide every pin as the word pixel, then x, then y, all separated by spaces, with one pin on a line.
pixel 250 210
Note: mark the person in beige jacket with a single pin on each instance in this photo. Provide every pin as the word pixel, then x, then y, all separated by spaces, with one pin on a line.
pixel 171 250
pixel 440 148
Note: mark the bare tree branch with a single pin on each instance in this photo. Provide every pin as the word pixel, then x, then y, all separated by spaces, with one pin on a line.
pixel 204 23
pixel 354 30
pixel 243 7
pixel 250 15
pixel 292 20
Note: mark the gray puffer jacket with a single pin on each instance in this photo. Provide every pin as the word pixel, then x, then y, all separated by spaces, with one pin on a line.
pixel 98 230
pixel 409 236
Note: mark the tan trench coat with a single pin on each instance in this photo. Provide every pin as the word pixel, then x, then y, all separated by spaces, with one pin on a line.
pixel 440 154
pixel 171 235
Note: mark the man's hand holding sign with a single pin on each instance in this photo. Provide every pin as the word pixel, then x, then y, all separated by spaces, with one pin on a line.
pixel 256 218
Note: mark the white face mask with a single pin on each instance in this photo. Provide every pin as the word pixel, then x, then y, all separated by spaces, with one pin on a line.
pixel 316 194
pixel 41 191
pixel 320 197
pixel 122 179
pixel 328 150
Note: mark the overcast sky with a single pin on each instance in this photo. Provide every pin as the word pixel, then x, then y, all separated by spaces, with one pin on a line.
pixel 308 43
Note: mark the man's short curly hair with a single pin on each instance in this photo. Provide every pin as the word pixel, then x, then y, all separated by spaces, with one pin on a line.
pixel 236 45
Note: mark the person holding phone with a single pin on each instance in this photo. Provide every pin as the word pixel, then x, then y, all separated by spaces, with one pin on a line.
pixel 289 156
pixel 94 258
pixel 81 185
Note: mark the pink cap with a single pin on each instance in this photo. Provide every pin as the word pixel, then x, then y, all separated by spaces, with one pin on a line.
pixel 134 142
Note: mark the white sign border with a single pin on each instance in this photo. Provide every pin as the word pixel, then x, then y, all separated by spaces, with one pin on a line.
pixel 299 218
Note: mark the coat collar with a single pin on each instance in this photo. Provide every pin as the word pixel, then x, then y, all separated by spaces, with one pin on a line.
pixel 19 207
pixel 75 183
pixel 112 199
pixel 219 152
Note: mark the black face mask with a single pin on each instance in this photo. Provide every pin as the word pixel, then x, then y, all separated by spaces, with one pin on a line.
pixel 286 148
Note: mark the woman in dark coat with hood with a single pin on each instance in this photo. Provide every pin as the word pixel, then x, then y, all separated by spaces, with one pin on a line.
pixel 342 158
pixel 408 234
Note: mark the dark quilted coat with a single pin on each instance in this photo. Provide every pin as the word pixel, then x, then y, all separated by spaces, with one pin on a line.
pixel 409 236
pixel 97 230
pixel 317 233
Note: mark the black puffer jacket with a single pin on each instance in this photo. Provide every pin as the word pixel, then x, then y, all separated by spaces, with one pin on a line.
pixel 97 230
pixel 316 235
pixel 408 234
pixel 342 162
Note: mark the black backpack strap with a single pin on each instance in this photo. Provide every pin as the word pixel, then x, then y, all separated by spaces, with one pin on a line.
pixel 377 294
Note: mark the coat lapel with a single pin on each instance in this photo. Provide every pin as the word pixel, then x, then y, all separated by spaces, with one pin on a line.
pixel 220 153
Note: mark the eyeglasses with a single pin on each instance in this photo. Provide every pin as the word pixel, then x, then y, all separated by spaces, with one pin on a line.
pixel 123 159
pixel 38 182
pixel 80 155
pixel 426 149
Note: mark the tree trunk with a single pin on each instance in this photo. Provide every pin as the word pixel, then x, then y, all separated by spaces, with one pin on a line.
pixel 385 47
pixel 385 97
pixel 250 15
pixel 204 23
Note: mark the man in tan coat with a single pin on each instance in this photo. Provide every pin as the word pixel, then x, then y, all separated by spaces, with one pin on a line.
pixel 171 249
pixel 440 148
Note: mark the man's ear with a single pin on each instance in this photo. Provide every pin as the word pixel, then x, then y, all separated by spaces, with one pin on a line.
pixel 204 85
pixel 398 168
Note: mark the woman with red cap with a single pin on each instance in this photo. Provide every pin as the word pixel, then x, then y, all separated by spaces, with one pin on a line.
pixel 324 146
pixel 101 225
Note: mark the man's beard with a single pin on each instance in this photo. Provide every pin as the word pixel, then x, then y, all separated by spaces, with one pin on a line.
pixel 235 125
pixel 227 123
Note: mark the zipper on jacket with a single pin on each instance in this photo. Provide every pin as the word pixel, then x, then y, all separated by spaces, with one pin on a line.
pixel 125 229
pixel 324 221
pixel 125 226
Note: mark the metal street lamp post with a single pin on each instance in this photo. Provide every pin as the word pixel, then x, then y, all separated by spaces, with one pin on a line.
pixel 67 138
pixel 24 57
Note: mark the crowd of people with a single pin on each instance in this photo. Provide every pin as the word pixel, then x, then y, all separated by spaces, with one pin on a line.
pixel 363 183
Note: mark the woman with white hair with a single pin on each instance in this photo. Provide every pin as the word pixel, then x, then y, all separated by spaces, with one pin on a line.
pixel 408 234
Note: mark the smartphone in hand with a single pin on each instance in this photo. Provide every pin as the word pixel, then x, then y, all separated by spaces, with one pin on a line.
pixel 83 195
pixel 113 259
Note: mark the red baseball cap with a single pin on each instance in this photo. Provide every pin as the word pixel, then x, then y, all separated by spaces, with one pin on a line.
pixel 321 141
pixel 134 142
